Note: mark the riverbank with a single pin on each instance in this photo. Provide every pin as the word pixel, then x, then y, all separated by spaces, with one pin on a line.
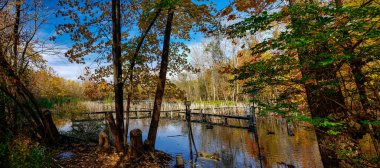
pixel 75 153
pixel 22 151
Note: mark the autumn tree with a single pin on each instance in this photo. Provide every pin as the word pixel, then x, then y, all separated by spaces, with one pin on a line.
pixel 195 16
pixel 89 30
pixel 89 34
pixel 18 59
pixel 162 79
pixel 311 44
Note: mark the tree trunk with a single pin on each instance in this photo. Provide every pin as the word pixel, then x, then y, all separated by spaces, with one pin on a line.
pixel 323 103
pixel 117 76
pixel 50 123
pixel 150 142
pixel 16 36
pixel 115 132
pixel 359 79
pixel 130 71
pixel 325 100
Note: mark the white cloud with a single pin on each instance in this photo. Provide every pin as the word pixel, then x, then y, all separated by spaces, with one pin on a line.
pixel 54 55
pixel 70 71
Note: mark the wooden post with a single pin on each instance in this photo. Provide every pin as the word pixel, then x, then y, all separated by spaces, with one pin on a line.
pixel 136 142
pixel 250 128
pixel 204 118
pixel 179 161
pixel 288 128
pixel 225 121
pixel 251 123
pixel 253 114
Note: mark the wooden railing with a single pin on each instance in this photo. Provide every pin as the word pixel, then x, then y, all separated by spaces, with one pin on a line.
pixel 201 116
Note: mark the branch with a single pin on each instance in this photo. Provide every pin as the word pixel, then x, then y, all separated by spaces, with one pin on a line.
pixel 5 4
pixel 367 3
pixel 139 45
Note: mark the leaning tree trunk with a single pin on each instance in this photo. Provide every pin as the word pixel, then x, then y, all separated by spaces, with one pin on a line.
pixel 118 140
pixel 359 78
pixel 131 67
pixel 150 142
pixel 117 75
pixel 365 114
pixel 50 131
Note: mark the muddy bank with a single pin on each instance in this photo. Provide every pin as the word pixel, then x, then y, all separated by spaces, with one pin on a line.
pixel 76 153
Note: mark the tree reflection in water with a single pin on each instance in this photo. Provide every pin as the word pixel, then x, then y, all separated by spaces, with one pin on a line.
pixel 237 147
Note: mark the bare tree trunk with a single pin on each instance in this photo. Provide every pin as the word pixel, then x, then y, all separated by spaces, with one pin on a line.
pixel 114 130
pixel 213 84
pixel 118 84
pixel 206 87
pixel 237 83
pixel 150 142
pixel 16 35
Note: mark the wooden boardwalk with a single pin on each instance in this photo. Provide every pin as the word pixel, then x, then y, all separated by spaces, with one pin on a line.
pixel 197 115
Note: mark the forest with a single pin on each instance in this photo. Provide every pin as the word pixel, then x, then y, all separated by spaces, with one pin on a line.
pixel 189 83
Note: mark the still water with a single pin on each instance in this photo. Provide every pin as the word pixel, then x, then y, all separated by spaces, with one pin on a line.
pixel 235 147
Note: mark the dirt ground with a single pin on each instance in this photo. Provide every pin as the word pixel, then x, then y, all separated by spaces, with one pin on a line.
pixel 81 154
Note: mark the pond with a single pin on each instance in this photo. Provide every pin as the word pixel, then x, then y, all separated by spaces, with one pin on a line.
pixel 235 146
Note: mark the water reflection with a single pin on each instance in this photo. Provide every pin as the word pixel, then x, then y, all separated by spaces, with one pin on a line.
pixel 236 147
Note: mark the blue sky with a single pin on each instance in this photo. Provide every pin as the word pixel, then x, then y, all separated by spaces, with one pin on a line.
pixel 72 71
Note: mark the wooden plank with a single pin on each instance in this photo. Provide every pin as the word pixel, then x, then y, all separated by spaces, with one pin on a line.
pixel 206 114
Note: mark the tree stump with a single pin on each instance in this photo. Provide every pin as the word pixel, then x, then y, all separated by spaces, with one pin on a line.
pixel 104 141
pixel 136 142
pixel 50 124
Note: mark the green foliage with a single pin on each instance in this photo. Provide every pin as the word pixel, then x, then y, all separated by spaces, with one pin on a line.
pixel 342 154
pixel 331 127
pixel 108 100
pixel 216 103
pixel 313 38
pixel 319 27
pixel 373 123
pixel 4 152
pixel 22 153
pixel 68 109
pixel 49 103
pixel 375 159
